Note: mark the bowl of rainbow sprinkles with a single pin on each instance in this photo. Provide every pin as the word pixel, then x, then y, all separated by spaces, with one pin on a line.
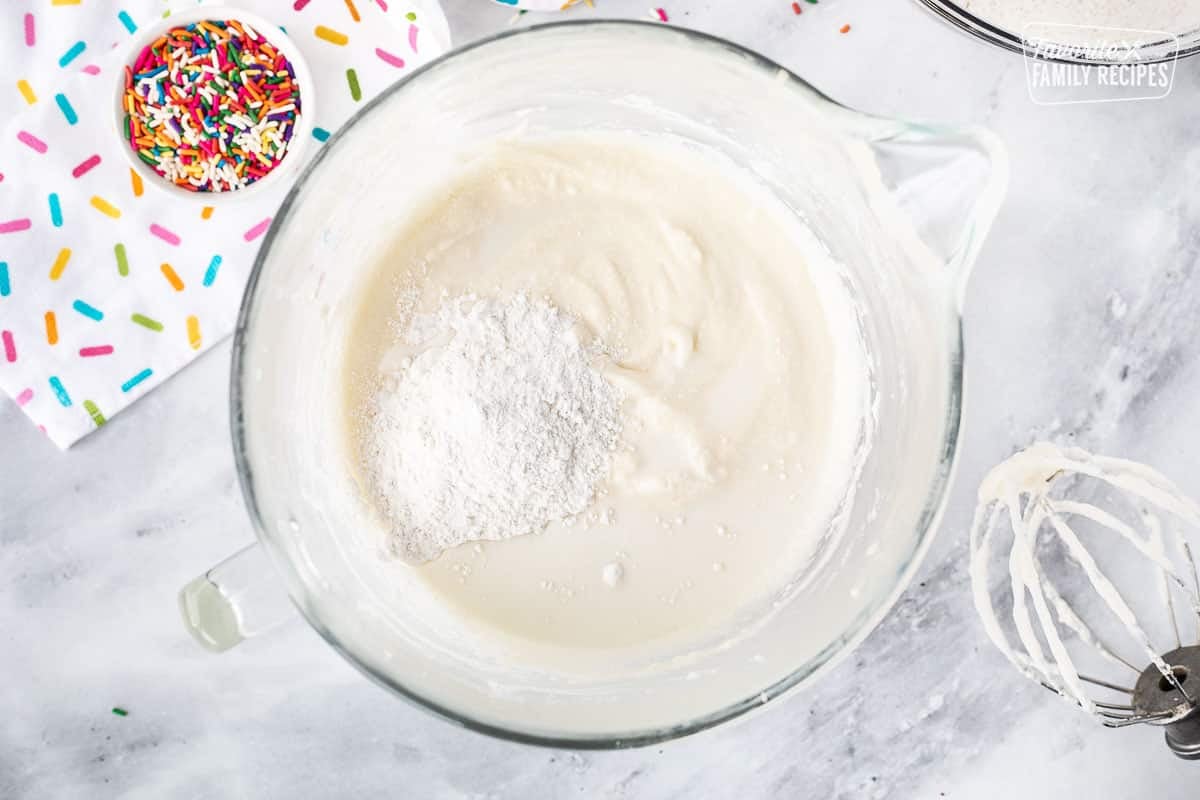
pixel 213 100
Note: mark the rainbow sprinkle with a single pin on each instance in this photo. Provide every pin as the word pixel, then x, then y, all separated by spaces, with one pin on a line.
pixel 85 166
pixel 122 259
pixel 172 277
pixel 125 387
pixel 104 207
pixel 60 263
pixel 68 111
pixel 170 237
pixel 146 322
pixel 193 332
pixel 26 91
pixel 388 58
pixel 331 36
pixel 15 225
pixel 257 231
pixel 88 310
pixel 211 106
pixel 60 391
pixel 210 274
pixel 94 412
pixel 28 139
pixel 72 53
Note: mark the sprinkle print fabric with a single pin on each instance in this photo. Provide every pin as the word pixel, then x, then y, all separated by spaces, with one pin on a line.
pixel 108 285
pixel 539 5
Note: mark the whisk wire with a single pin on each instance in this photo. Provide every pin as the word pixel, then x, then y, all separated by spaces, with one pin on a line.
pixel 1187 551
pixel 1022 495
pixel 1106 684
pixel 1069 619
pixel 1166 588
pixel 1108 592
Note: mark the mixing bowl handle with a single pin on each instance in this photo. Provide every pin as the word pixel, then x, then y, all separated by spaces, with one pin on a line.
pixel 236 599
pixel 948 183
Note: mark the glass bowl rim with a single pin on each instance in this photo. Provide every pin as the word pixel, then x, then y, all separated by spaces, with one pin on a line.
pixel 854 634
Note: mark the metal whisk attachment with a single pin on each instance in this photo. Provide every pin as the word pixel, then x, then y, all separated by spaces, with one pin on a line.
pixel 1099 568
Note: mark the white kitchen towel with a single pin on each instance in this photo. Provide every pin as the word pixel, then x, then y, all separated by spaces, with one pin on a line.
pixel 109 286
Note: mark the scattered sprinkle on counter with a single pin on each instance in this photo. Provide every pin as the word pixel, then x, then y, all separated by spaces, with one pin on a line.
pixel 211 106
pixel 796 9
pixel 120 712
pixel 844 29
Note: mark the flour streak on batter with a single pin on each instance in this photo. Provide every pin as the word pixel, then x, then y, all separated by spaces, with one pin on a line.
pixel 729 338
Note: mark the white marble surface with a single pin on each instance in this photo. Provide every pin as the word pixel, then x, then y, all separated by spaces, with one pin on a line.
pixel 94 543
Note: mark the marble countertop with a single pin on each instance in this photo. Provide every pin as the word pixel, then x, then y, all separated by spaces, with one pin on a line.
pixel 1080 324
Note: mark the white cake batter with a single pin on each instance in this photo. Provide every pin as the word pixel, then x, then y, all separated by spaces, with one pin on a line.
pixel 730 339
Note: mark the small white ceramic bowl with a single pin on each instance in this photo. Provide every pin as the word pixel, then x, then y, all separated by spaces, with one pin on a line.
pixel 301 131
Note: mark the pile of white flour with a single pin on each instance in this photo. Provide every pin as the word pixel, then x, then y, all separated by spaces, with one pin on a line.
pixel 1094 20
pixel 491 422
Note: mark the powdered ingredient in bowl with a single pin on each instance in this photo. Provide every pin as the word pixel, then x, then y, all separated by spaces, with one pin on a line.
pixel 493 424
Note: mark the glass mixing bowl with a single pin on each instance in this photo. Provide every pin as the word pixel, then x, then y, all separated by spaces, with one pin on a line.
pixel 901 207
pixel 1184 43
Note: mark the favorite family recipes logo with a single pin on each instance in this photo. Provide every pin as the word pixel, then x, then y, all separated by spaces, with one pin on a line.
pixel 1067 64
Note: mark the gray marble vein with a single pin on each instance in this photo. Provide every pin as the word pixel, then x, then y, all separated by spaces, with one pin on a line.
pixel 1081 323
